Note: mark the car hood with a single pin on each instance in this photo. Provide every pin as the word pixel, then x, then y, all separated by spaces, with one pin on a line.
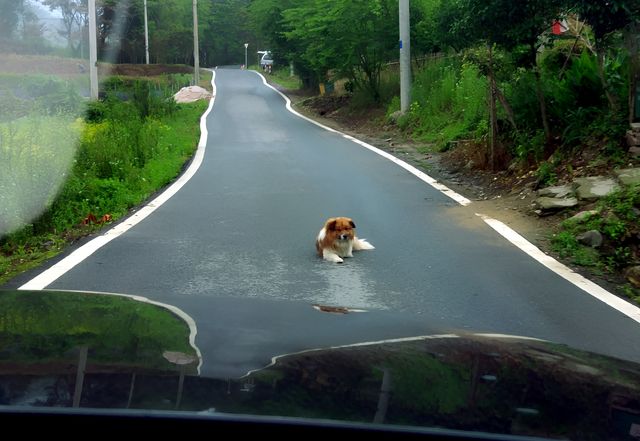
pixel 454 379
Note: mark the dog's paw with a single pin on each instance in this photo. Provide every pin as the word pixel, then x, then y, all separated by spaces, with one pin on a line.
pixel 331 257
pixel 362 244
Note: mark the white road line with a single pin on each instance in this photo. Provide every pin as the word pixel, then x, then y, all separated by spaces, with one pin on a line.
pixel 589 287
pixel 563 271
pixel 193 330
pixel 354 345
pixel 56 271
pixel 411 169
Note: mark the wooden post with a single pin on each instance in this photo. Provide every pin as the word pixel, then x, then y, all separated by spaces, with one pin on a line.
pixel 82 364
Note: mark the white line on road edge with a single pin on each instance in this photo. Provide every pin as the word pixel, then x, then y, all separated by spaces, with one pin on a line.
pixel 411 169
pixel 589 287
pixel 193 330
pixel 354 345
pixel 56 271
pixel 563 271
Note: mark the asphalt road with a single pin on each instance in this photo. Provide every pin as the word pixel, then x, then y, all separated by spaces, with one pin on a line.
pixel 243 228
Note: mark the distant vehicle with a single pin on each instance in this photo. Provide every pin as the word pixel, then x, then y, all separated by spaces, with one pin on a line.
pixel 266 61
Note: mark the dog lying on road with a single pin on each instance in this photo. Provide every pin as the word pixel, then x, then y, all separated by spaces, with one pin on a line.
pixel 337 239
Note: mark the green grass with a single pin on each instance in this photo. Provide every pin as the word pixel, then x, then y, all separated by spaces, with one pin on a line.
pixel 281 77
pixel 618 221
pixel 91 189
pixel 448 103
pixel 46 327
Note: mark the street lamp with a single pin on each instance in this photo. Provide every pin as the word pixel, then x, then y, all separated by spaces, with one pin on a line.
pixel 246 45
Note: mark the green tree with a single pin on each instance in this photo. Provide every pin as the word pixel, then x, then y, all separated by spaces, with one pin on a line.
pixel 606 18
pixel 354 37
pixel 74 17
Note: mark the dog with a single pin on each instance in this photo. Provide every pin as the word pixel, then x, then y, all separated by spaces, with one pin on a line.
pixel 337 239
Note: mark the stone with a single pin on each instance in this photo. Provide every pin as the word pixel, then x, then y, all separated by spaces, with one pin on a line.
pixel 633 275
pixel 560 191
pixel 591 238
pixel 628 176
pixel 633 138
pixel 634 152
pixel 594 187
pixel 582 216
pixel 395 116
pixel 555 204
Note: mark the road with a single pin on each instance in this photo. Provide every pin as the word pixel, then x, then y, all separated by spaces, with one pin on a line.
pixel 236 245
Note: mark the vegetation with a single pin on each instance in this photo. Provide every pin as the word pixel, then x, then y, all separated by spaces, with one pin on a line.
pixel 92 169
pixel 617 218
pixel 45 327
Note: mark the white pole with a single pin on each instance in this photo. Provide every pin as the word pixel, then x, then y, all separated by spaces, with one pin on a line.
pixel 405 56
pixel 196 49
pixel 93 50
pixel 246 45
pixel 146 33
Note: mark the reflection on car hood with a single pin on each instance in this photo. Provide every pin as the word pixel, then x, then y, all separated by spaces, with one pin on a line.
pixel 479 382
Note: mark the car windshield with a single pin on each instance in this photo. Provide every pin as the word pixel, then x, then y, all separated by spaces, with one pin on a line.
pixel 421 214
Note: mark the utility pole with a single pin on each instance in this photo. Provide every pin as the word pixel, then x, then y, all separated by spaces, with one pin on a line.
pixel 146 32
pixel 93 50
pixel 196 49
pixel 405 56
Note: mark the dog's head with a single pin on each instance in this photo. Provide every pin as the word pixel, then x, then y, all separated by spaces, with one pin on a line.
pixel 342 228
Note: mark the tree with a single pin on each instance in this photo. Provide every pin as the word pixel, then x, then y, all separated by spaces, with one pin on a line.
pixel 74 17
pixel 354 37
pixel 10 13
pixel 605 18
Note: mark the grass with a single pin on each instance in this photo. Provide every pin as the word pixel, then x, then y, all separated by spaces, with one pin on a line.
pixel 66 170
pixel 281 77
pixel 46 327
pixel 617 220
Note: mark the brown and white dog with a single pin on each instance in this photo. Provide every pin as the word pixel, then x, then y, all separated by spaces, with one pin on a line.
pixel 337 239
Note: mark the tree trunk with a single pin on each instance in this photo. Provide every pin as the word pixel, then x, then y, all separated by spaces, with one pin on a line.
pixel 543 105
pixel 631 41
pixel 492 112
pixel 613 102
pixel 505 105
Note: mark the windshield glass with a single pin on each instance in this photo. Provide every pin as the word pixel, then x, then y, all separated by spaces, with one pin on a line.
pixel 395 213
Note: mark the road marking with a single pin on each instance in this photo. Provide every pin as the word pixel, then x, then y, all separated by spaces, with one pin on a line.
pixel 549 262
pixel 411 169
pixel 563 271
pixel 354 345
pixel 47 277
pixel 191 323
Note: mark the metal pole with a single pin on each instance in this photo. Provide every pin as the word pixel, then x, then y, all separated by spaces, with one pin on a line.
pixel 246 45
pixel 196 49
pixel 405 56
pixel 146 33
pixel 93 50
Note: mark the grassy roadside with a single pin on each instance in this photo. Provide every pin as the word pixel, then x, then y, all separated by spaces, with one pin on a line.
pixel 39 328
pixel 124 151
pixel 281 77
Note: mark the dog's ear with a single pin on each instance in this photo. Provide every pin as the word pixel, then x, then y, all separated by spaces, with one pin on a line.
pixel 353 225
pixel 331 225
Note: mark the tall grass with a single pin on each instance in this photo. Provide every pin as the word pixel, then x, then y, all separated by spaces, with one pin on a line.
pixel 448 102
pixel 55 171
pixel 36 154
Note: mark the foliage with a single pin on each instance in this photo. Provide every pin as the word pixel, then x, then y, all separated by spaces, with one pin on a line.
pixel 449 102
pixel 617 220
pixel 130 144
pixel 353 37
